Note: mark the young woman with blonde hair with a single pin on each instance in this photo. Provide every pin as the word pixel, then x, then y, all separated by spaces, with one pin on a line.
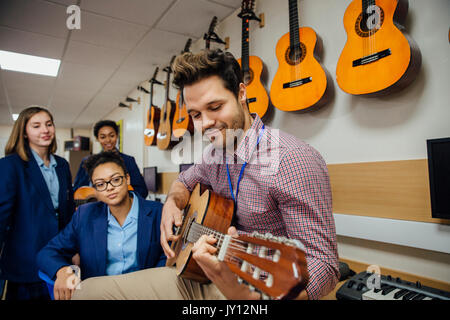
pixel 36 201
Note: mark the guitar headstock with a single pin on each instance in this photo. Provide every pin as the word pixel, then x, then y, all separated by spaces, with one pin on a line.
pixel 212 25
pixel 155 74
pixel 168 69
pixel 285 267
pixel 248 6
pixel 187 45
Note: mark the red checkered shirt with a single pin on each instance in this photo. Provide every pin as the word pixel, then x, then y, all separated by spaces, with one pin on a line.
pixel 285 190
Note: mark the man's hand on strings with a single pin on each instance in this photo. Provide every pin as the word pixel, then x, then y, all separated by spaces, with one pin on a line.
pixel 204 252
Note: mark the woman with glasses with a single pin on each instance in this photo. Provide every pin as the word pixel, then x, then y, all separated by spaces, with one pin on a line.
pixel 106 132
pixel 119 234
pixel 36 201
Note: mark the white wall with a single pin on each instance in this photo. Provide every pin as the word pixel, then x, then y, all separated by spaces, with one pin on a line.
pixel 349 128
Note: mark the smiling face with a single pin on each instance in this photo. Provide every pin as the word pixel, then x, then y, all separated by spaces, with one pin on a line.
pixel 111 172
pixel 107 137
pixel 215 109
pixel 40 131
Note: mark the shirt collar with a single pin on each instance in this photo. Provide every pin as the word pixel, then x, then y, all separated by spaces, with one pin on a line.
pixel 40 162
pixel 132 214
pixel 247 146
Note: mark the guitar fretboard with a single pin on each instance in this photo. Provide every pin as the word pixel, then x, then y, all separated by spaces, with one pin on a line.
pixel 294 35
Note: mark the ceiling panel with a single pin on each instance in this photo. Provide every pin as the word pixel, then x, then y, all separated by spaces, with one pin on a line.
pixel 108 32
pixel 82 77
pixel 26 89
pixel 192 17
pixel 136 11
pixel 34 15
pixel 31 43
pixel 95 56
pixel 228 3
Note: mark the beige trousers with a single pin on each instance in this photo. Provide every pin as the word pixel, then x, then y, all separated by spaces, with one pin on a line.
pixel 149 284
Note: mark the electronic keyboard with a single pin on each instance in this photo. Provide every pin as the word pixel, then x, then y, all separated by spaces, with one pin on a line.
pixel 359 287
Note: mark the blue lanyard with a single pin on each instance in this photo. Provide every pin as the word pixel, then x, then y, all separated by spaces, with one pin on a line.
pixel 242 171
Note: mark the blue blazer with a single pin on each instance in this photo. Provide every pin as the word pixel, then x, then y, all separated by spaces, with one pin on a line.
pixel 27 216
pixel 136 179
pixel 86 234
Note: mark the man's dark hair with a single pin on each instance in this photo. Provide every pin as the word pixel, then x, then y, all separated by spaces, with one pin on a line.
pixel 105 123
pixel 189 68
pixel 103 157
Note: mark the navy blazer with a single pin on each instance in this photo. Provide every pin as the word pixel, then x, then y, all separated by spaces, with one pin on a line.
pixel 86 234
pixel 27 216
pixel 136 179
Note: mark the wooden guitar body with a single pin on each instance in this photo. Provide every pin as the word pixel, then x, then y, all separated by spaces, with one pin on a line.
pixel 381 60
pixel 164 135
pixel 182 121
pixel 246 256
pixel 210 210
pixel 257 97
pixel 151 129
pixel 300 82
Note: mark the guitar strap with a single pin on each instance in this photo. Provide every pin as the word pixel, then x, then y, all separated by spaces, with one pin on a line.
pixel 240 178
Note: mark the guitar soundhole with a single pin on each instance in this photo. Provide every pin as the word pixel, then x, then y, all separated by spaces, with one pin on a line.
pixel 295 56
pixel 368 24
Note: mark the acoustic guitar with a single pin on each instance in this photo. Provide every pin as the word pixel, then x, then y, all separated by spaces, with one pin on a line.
pixel 286 274
pixel 87 194
pixel 252 66
pixel 164 136
pixel 153 115
pixel 378 57
pixel 182 121
pixel 300 82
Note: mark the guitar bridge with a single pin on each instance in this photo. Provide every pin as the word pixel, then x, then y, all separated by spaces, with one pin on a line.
pixel 296 83
pixel 372 58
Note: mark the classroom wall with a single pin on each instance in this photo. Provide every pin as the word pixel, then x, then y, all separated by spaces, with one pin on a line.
pixel 349 129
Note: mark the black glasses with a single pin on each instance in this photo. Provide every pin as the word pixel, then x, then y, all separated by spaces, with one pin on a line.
pixel 103 185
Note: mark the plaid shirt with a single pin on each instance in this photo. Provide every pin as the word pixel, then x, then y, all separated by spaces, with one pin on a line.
pixel 285 190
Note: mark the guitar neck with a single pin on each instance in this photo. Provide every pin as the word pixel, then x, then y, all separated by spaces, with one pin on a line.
pixel 294 34
pixel 366 4
pixel 151 94
pixel 245 44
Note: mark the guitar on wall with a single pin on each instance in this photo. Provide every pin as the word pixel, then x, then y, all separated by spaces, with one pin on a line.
pixel 378 58
pixel 153 115
pixel 246 256
pixel 300 82
pixel 252 66
pixel 164 136
pixel 182 121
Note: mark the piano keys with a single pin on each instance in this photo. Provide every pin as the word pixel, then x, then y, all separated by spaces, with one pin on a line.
pixel 359 288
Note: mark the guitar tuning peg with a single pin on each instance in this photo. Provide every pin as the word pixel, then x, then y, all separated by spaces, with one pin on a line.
pixel 265 296
pixel 240 281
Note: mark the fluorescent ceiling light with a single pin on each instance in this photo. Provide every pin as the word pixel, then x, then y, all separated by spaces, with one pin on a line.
pixel 15 116
pixel 30 64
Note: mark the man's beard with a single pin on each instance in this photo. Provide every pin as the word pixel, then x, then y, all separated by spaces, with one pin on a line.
pixel 228 135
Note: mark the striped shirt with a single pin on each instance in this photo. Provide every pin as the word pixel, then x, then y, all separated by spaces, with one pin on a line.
pixel 285 190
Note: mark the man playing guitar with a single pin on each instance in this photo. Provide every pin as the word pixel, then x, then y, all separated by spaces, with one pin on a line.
pixel 285 191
